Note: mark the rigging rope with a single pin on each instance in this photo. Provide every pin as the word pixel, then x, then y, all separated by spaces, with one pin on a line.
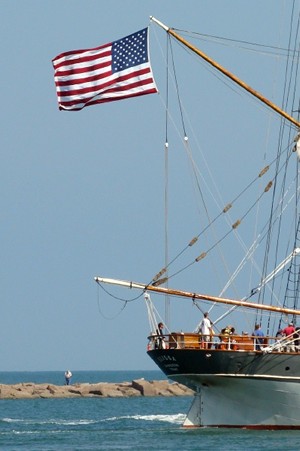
pixel 125 301
pixel 225 41
pixel 195 239
pixel 288 99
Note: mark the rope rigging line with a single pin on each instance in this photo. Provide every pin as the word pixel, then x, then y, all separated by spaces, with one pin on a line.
pixel 224 41
pixel 215 218
pixel 177 89
pixel 101 311
pixel 210 223
pixel 278 170
pixel 290 77
pixel 291 61
pixel 125 301
pixel 167 89
pixel 195 239
pixel 236 86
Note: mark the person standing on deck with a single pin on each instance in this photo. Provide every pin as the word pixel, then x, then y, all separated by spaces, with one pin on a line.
pixel 206 329
pixel 160 344
pixel 288 332
pixel 259 340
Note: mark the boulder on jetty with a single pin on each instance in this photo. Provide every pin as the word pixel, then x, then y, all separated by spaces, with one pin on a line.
pixel 139 387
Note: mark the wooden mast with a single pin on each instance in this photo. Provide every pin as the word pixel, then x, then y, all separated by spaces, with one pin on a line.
pixel 203 297
pixel 227 73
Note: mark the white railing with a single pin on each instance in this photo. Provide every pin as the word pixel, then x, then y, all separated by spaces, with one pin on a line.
pixel 239 343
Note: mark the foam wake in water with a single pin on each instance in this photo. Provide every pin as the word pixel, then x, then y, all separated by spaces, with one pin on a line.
pixel 175 419
pixel 50 421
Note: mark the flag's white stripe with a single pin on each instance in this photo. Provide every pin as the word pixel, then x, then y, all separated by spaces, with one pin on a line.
pixel 127 93
pixel 107 95
pixel 110 77
pixel 75 55
pixel 90 73
pixel 86 84
pixel 134 79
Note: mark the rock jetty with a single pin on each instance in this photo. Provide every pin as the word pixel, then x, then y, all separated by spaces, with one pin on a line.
pixel 139 387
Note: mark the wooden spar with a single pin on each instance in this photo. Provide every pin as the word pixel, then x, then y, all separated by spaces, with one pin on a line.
pixel 203 297
pixel 227 73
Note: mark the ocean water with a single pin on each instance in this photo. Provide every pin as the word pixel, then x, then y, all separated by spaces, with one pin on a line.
pixel 117 423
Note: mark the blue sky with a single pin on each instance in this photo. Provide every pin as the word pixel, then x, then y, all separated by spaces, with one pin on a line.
pixel 82 193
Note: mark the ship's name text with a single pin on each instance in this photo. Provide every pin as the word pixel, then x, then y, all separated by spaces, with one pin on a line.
pixel 164 358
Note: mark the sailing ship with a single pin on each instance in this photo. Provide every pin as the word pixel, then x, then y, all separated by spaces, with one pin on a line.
pixel 240 379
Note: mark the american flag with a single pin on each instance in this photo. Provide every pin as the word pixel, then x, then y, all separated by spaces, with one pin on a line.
pixel 113 71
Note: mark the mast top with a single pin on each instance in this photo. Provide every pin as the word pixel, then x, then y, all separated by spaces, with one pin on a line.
pixel 158 22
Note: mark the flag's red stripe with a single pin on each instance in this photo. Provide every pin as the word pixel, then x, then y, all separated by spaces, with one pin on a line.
pixel 88 73
pixel 96 78
pixel 78 52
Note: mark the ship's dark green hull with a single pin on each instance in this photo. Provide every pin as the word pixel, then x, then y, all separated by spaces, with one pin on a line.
pixel 236 388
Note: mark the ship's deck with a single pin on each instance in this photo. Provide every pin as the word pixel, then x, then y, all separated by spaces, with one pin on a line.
pixel 244 342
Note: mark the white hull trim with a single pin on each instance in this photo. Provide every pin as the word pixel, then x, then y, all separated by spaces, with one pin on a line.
pixel 244 402
pixel 278 378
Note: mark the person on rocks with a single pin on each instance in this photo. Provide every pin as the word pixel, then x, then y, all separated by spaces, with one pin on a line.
pixel 68 376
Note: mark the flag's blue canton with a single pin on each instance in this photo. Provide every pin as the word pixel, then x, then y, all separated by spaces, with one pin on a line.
pixel 130 51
